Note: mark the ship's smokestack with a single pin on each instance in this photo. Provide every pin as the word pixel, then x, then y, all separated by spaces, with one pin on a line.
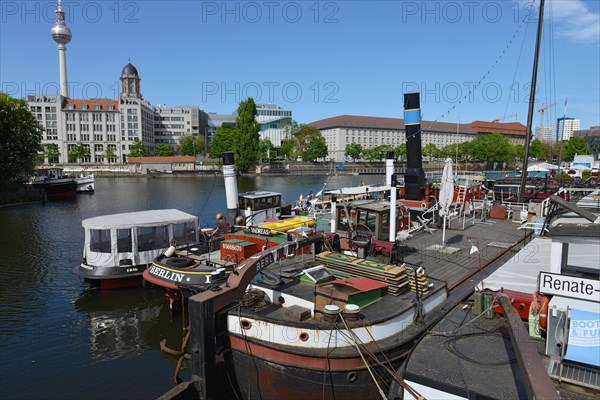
pixel 389 167
pixel 415 176
pixel 231 192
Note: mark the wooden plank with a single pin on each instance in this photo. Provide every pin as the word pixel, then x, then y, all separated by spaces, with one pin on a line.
pixel 537 382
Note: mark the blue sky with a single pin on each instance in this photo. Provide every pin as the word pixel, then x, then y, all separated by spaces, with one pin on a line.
pixel 320 59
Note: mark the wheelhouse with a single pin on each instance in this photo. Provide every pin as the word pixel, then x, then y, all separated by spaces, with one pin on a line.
pixel 257 207
pixel 373 215
pixel 135 238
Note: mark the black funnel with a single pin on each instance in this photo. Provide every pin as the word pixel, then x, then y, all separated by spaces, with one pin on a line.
pixel 414 180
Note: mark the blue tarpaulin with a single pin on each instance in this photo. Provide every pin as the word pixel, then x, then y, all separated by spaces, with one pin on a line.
pixel 584 337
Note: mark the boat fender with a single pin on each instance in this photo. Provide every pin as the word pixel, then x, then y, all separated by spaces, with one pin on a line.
pixel 170 251
pixel 179 262
pixel 539 305
pixel 268 278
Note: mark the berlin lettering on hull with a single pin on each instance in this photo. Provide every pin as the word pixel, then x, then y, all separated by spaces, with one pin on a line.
pixel 569 286
pixel 266 260
pixel 161 273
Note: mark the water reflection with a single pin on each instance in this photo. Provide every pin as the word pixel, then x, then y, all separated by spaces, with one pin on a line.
pixel 126 322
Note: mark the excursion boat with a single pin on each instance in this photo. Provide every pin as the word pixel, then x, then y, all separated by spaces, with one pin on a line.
pixel 52 181
pixel 85 183
pixel 119 247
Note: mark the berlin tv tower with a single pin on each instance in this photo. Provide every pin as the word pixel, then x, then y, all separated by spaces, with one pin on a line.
pixel 62 35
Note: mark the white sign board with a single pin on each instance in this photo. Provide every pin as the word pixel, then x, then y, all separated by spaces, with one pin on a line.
pixel 569 286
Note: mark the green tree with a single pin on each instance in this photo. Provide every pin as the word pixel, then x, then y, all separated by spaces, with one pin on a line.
pixel 576 146
pixel 551 151
pixel 535 148
pixel 267 150
pixel 190 145
pixel 287 148
pixel 430 150
pixel 137 149
pixel 20 138
pixel 519 151
pixel 79 152
pixel 246 145
pixel 51 152
pixel 303 136
pixel 110 155
pixel 315 149
pixel 400 151
pixel 223 140
pixel 377 153
pixel 163 149
pixel 491 147
pixel 353 150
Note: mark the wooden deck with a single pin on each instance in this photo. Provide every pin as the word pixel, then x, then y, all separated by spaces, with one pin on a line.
pixel 492 240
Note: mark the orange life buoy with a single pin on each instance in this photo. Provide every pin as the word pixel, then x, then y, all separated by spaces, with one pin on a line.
pixel 539 305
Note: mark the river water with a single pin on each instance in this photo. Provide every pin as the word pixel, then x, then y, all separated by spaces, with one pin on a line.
pixel 58 341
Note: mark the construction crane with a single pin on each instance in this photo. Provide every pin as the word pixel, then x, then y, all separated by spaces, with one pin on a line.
pixel 541 111
pixel 506 117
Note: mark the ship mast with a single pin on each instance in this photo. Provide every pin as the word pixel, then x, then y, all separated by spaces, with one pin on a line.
pixel 531 103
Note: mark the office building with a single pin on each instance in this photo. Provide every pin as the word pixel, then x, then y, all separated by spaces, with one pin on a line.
pixel 370 132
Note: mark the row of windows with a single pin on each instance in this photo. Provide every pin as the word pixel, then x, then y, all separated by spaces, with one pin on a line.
pixel 159 118
pixel 96 107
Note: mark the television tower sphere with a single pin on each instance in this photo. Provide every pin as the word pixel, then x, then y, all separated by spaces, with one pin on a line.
pixel 60 33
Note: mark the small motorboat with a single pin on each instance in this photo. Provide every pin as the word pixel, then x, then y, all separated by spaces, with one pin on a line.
pixel 85 183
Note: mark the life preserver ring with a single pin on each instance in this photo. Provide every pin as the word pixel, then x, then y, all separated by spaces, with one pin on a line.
pixel 179 262
pixel 268 278
pixel 539 305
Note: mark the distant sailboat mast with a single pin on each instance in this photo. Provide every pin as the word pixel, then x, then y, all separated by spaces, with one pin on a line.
pixel 531 102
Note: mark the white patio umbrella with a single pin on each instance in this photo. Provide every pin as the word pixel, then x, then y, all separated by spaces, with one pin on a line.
pixel 446 194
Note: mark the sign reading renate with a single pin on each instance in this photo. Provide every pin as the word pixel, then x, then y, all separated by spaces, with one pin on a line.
pixel 569 286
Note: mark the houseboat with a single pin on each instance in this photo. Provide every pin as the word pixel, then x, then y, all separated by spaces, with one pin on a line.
pixel 119 247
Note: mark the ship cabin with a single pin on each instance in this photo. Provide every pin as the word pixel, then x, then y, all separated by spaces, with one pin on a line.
pixel 371 218
pixel 259 206
pixel 135 238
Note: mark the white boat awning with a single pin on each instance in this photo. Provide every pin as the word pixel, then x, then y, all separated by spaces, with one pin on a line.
pixel 351 191
pixel 520 273
pixel 138 218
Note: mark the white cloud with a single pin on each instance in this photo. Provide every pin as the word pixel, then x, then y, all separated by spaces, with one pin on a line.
pixel 574 20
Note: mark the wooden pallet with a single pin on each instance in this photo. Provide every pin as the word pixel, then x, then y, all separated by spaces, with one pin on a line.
pixel 340 264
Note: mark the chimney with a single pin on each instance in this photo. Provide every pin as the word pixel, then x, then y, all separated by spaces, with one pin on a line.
pixel 414 180
pixel 231 192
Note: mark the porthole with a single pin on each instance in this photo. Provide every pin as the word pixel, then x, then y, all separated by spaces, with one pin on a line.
pixel 352 376
pixel 246 324
pixel 303 336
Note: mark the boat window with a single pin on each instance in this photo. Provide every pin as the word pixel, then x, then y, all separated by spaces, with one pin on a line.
pixel 124 240
pixel 244 203
pixel 385 226
pixel 184 233
pixel 367 218
pixel 100 240
pixel 153 237
pixel 342 220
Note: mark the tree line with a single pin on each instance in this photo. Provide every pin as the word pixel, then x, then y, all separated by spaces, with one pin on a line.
pixel 21 149
pixel 487 147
